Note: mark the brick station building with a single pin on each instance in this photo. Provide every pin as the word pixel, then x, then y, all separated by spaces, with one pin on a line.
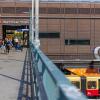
pixel 68 30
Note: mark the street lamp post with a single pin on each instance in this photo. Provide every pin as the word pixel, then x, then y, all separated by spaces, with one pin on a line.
pixel 32 25
pixel 35 19
pixel 37 23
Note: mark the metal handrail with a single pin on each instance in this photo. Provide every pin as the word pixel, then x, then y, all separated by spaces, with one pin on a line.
pixel 50 83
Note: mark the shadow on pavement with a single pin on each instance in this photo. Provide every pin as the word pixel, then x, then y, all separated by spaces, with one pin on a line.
pixel 25 82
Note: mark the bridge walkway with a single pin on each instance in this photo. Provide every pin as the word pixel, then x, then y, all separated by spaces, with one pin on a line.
pixel 14 76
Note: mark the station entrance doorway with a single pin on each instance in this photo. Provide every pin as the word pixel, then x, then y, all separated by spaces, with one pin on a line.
pixel 21 32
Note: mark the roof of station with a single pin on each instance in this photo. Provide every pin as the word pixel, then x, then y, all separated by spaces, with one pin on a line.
pixel 51 0
pixel 70 0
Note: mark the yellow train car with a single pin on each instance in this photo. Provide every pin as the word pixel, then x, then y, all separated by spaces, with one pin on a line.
pixel 87 82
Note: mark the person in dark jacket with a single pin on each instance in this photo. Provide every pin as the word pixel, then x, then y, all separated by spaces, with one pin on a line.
pixel 7 45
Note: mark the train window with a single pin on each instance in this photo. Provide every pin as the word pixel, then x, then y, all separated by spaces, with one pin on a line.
pixel 91 84
pixel 76 83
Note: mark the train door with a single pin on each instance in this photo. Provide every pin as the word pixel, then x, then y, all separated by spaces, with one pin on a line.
pixel 83 84
pixel 99 86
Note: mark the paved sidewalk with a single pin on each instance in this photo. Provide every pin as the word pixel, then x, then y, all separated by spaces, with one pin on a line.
pixel 11 66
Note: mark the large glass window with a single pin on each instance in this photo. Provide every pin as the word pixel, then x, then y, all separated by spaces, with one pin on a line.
pixel 0 9
pixel 76 83
pixel 91 84
pixel 66 42
pixel 97 10
pixel 43 10
pixel 77 42
pixel 22 9
pixel 92 10
pixel 53 10
pixel 10 10
pixel 56 10
pixel 84 10
pixel 49 35
pixel 70 10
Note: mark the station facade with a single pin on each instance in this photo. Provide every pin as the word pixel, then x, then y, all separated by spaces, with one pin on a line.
pixel 68 30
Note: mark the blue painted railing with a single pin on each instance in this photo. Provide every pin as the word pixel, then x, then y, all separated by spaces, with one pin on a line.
pixel 49 82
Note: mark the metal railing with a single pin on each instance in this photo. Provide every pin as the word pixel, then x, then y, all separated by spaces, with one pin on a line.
pixel 49 82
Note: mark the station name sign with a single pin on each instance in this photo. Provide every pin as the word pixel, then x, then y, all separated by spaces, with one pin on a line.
pixel 15 22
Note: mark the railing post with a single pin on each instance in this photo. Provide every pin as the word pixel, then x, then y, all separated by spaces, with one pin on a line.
pixel 37 41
